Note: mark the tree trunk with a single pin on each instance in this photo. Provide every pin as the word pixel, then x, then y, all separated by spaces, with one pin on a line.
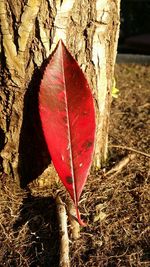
pixel 30 31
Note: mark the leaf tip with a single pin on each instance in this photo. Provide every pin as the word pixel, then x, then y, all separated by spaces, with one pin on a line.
pixel 60 42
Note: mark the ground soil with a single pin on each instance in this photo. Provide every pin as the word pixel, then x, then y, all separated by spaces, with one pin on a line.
pixel 116 207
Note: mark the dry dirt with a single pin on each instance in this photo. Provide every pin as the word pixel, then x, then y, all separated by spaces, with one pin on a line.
pixel 116 207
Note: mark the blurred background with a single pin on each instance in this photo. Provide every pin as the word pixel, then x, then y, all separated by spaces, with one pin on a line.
pixel 135 27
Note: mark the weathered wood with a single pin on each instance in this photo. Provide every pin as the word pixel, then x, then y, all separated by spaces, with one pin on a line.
pixel 63 233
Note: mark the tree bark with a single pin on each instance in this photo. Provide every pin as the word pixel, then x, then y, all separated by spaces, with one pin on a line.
pixel 30 31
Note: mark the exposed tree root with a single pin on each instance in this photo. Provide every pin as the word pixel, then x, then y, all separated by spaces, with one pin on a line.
pixel 64 239
pixel 119 166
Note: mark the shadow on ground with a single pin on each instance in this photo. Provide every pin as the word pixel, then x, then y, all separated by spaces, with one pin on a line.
pixel 38 215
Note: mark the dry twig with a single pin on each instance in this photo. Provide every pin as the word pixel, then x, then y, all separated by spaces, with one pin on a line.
pixel 64 240
pixel 131 149
pixel 75 227
pixel 122 163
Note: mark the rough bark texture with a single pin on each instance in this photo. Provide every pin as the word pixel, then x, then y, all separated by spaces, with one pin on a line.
pixel 30 30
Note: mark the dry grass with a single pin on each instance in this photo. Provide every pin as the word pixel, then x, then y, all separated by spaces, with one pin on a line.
pixel 13 243
pixel 28 227
pixel 118 215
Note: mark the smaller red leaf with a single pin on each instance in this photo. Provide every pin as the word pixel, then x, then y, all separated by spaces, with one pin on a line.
pixel 68 120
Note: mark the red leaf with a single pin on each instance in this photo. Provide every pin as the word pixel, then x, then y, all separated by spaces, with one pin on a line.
pixel 68 120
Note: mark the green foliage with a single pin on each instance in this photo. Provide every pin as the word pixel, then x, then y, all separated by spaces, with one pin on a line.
pixel 115 91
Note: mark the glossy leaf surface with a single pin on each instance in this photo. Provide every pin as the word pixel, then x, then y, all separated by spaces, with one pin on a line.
pixel 68 120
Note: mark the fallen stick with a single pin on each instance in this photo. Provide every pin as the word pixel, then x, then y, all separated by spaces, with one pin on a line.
pixel 119 166
pixel 131 149
pixel 75 227
pixel 64 239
